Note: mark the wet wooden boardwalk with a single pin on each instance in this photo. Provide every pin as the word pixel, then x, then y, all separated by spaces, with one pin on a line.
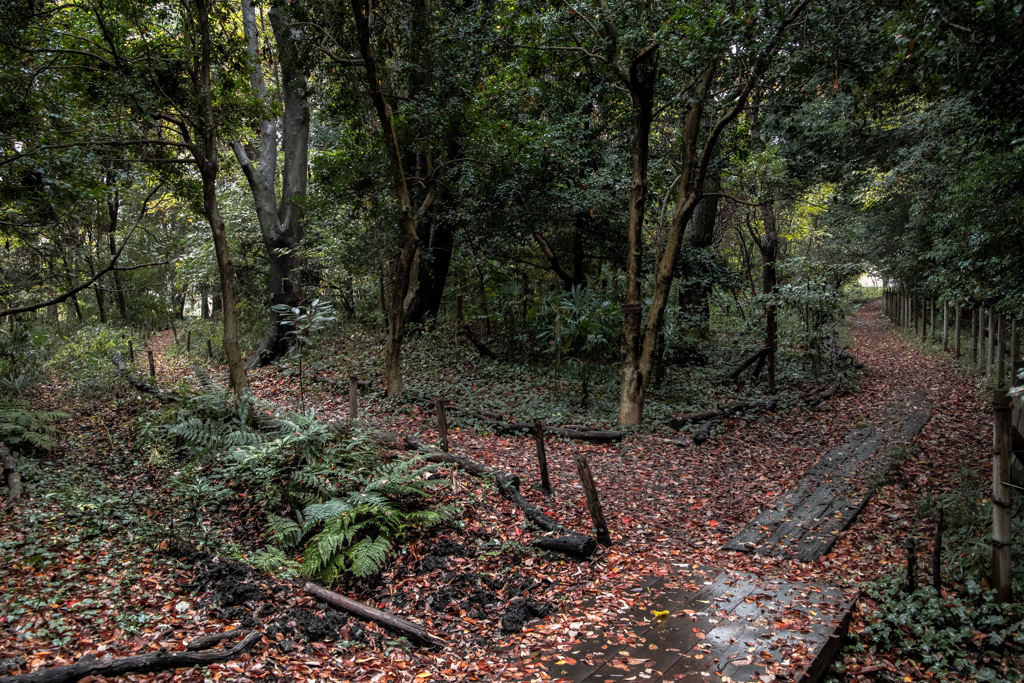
pixel 719 626
pixel 806 520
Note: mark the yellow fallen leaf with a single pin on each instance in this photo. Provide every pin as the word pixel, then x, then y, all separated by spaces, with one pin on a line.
pixel 659 614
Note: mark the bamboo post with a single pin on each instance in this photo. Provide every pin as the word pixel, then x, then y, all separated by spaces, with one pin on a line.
pixel 1001 495
pixel 152 364
pixel 209 349
pixel 542 458
pixel 956 337
pixel 590 491
pixel 353 397
pixel 940 522
pixel 945 326
pixel 442 423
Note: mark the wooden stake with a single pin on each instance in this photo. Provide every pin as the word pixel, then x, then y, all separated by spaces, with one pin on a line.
pixel 1001 497
pixel 353 397
pixel 131 352
pixel 442 423
pixel 940 522
pixel 931 334
pixel 910 584
pixel 152 365
pixel 188 342
pixel 590 491
pixel 542 458
pixel 458 310
pixel 209 349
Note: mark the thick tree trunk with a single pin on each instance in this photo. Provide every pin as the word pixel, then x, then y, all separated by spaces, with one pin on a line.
pixel 280 224
pixel 643 73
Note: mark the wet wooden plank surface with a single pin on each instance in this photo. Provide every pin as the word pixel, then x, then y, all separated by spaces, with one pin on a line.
pixel 732 625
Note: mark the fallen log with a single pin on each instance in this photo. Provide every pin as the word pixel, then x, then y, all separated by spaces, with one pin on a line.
pixel 497 423
pixel 758 355
pixel 156 392
pixel 508 484
pixel 686 418
pixel 705 431
pixel 210 639
pixel 573 544
pixel 480 346
pixel 368 613
pixel 108 667
pixel 11 476
pixel 826 393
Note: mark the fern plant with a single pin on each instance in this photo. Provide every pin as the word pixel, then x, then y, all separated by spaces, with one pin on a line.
pixel 357 532
pixel 21 427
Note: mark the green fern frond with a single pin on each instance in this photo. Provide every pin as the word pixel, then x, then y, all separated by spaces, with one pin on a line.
pixel 368 556
pixel 285 532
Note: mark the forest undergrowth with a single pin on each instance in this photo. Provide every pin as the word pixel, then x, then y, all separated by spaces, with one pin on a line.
pixel 95 560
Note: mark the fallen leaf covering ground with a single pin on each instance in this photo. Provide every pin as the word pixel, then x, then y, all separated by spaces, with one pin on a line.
pixel 73 585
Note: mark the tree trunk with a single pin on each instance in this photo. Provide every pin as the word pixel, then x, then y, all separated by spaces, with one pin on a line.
pixel 113 212
pixel 769 246
pixel 694 297
pixel 643 73
pixel 207 161
pixel 280 224
pixel 404 273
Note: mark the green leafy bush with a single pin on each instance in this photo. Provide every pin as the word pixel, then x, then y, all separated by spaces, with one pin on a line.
pixel 84 359
pixel 20 427
pixel 967 635
pixel 357 532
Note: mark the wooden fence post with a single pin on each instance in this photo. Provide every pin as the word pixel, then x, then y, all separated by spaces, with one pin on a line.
pixel 542 457
pixel 442 423
pixel 910 584
pixel 131 352
pixel 152 365
pixel 353 397
pixel 590 491
pixel 209 349
pixel 175 331
pixel 1001 497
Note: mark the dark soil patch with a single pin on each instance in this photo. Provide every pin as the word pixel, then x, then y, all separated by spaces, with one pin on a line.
pixel 522 610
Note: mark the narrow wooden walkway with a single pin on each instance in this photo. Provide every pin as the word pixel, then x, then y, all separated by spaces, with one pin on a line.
pixel 720 626
pixel 806 520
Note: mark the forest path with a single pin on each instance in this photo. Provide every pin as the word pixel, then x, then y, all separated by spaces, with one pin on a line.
pixel 671 510
pixel 734 625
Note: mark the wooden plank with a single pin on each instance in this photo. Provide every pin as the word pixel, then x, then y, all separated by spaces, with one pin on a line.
pixel 665 640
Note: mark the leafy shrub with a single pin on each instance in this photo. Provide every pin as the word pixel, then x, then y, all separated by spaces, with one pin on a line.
pixel 20 427
pixel 357 532
pixel 966 635
pixel 85 358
